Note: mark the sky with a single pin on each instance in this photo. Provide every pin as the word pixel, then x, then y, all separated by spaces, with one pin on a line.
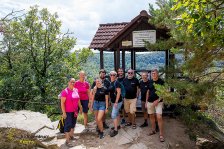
pixel 82 17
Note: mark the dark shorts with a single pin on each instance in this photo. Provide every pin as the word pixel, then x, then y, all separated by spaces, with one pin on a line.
pixel 99 105
pixel 70 121
pixel 85 104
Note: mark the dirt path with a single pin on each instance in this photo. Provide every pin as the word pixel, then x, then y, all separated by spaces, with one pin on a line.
pixel 128 138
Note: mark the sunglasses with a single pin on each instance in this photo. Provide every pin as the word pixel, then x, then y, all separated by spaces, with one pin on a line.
pixel 113 75
pixel 130 72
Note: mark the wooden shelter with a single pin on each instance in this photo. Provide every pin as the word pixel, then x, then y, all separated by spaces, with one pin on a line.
pixel 127 36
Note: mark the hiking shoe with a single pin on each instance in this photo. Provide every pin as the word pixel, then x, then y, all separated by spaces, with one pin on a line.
pixel 144 125
pixel 113 133
pixel 118 127
pixel 123 121
pixel 69 144
pixel 105 126
pixel 101 135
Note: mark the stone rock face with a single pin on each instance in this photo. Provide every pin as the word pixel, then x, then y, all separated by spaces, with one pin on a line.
pixel 29 121
pixel 203 143
pixel 138 146
pixel 128 136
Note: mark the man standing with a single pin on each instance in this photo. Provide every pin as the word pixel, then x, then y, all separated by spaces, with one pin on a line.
pixel 120 79
pixel 144 86
pixel 131 86
pixel 155 104
pixel 106 84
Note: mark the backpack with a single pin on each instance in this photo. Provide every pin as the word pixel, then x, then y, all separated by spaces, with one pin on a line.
pixel 123 92
pixel 61 125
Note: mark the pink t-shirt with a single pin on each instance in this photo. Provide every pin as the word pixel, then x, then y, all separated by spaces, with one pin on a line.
pixel 83 88
pixel 72 99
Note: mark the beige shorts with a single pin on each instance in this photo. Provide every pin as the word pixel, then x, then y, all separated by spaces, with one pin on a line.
pixel 155 109
pixel 130 105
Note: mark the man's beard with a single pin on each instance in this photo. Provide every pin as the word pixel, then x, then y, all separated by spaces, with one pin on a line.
pixel 102 77
pixel 130 77
pixel 120 75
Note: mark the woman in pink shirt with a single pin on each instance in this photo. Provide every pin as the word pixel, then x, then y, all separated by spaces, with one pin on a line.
pixel 83 90
pixel 69 106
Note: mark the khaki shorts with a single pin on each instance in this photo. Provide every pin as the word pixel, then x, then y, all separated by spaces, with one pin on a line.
pixel 130 105
pixel 144 110
pixel 157 109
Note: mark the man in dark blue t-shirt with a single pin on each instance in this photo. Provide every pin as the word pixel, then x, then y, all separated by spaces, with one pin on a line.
pixel 154 104
pixel 131 86
pixel 144 86
pixel 120 79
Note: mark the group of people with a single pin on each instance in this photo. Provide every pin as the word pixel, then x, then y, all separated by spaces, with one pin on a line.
pixel 120 92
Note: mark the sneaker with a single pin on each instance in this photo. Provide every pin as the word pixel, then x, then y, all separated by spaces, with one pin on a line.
pixel 118 127
pixel 123 121
pixel 101 135
pixel 144 125
pixel 113 133
pixel 105 126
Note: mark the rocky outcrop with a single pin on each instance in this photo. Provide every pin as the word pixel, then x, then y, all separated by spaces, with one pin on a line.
pixel 203 143
pixel 34 122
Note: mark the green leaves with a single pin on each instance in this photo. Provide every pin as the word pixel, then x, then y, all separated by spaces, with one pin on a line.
pixel 196 30
pixel 36 58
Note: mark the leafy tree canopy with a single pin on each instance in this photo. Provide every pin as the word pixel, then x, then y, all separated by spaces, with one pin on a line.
pixel 36 58
pixel 196 30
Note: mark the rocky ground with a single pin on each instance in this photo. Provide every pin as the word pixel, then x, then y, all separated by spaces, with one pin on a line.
pixel 46 136
pixel 128 138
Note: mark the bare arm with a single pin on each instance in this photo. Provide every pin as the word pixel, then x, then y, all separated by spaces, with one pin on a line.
pixel 63 107
pixel 118 94
pixel 107 104
pixel 138 91
pixel 147 96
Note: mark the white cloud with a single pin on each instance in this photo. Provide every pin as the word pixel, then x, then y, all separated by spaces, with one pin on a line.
pixel 83 16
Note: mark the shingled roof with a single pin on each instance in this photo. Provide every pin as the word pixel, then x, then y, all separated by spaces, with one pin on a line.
pixel 105 33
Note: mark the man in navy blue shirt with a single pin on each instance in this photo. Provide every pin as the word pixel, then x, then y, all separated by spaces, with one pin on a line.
pixel 131 85
pixel 154 104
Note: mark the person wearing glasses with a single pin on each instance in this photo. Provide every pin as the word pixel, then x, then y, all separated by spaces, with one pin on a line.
pixel 144 86
pixel 69 106
pixel 106 84
pixel 116 100
pixel 84 92
pixel 131 85
pixel 120 79
pixel 100 104
pixel 154 104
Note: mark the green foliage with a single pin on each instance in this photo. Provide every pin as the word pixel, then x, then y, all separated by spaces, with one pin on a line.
pixel 196 30
pixel 36 59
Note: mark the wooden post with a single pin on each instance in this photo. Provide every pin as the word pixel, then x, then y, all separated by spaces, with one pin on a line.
pixel 166 62
pixel 115 60
pixel 118 59
pixel 101 59
pixel 123 59
pixel 134 60
pixel 132 53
